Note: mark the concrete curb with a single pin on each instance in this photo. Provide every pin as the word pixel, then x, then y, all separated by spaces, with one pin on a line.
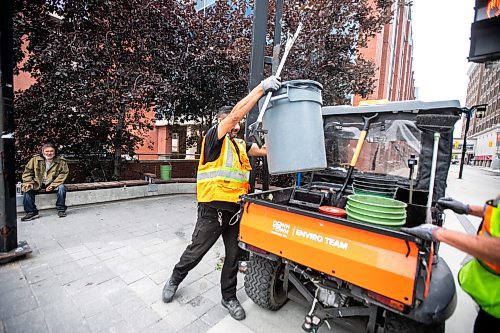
pixel 78 198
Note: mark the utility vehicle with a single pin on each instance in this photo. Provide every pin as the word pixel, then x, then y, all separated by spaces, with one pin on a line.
pixel 340 266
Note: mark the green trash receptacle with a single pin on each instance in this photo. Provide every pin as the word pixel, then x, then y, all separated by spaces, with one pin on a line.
pixel 166 172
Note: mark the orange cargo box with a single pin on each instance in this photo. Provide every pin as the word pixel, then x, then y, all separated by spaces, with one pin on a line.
pixel 378 259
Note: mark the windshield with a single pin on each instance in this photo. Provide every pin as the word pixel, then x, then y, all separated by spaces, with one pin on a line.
pixel 387 148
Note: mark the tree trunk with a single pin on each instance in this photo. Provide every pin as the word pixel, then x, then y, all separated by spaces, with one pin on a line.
pixel 117 142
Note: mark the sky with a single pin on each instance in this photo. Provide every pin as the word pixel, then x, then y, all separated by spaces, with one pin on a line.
pixel 441 32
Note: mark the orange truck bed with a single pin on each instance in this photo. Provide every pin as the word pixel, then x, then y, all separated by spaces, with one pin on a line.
pixel 378 259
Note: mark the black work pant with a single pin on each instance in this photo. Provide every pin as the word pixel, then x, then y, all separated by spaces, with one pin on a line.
pixel 485 322
pixel 206 232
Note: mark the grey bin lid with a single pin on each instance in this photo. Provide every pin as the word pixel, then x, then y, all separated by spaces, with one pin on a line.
pixel 402 106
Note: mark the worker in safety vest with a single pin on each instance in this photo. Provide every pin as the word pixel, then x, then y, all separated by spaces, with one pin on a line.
pixel 223 174
pixel 480 277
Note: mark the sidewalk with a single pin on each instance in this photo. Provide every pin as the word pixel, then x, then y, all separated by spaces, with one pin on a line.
pixel 102 269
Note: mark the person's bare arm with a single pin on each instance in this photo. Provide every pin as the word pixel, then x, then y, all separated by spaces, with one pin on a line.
pixel 239 111
pixel 480 247
pixel 256 151
pixel 476 210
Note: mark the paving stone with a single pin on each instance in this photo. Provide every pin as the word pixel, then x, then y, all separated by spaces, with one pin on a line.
pixel 31 321
pixel 129 253
pixel 121 296
pixel 66 267
pixel 49 296
pixel 38 274
pixel 198 326
pixel 101 276
pixel 160 277
pixel 142 318
pixel 71 275
pixel 143 285
pixel 200 305
pixel 121 327
pixel 110 286
pixel 88 261
pixel 17 302
pixel 132 276
pixel 107 254
pixel 159 327
pixel 213 294
pixel 81 255
pixel 163 309
pixel 91 305
pixel 194 289
pixel 103 320
pixel 64 316
pixel 150 267
pixel 120 268
pixel 14 279
pixel 214 315
pixel 180 318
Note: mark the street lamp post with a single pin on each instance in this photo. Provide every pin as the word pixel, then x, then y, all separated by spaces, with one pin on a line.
pixel 480 109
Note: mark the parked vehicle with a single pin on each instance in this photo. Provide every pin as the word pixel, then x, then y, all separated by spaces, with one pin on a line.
pixel 304 249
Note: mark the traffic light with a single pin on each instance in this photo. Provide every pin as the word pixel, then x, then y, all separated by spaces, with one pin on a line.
pixel 485 32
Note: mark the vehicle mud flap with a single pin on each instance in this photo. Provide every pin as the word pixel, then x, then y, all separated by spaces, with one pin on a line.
pixel 442 297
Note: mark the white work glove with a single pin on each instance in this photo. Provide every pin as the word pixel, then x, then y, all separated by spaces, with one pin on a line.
pixel 425 231
pixel 272 83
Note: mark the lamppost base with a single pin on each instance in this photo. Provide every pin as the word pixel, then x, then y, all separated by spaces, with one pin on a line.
pixel 21 250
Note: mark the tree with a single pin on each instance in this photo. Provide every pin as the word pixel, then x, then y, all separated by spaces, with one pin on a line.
pixel 218 48
pixel 102 65
pixel 94 62
pixel 213 71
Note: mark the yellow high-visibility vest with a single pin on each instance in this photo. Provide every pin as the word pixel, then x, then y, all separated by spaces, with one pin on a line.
pixel 226 178
pixel 480 278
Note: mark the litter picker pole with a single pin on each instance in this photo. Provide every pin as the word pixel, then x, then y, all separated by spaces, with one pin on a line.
pixel 288 47
pixel 256 126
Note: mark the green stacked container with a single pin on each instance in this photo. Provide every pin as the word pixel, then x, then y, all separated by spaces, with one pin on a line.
pixel 376 210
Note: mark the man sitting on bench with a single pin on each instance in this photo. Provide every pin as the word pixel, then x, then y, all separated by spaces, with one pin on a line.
pixel 46 172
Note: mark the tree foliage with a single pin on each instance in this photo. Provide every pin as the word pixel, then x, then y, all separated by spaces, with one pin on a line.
pixel 100 65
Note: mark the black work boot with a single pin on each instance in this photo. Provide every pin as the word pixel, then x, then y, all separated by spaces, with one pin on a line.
pixel 169 291
pixel 235 309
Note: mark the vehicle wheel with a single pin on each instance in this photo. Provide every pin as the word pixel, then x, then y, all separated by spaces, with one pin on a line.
pixel 396 323
pixel 264 282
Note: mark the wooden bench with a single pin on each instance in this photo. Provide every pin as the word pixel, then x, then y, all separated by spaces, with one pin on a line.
pixel 151 179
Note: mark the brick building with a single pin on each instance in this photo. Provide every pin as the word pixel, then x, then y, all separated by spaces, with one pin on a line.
pixel 484 88
pixel 392 52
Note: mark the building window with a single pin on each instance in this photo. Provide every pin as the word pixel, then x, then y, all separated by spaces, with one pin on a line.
pixel 203 4
pixel 175 142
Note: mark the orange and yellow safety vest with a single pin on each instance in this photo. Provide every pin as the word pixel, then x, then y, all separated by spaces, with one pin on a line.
pixel 479 278
pixel 226 178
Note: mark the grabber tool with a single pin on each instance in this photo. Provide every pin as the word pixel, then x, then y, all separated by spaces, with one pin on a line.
pixel 256 127
pixel 354 159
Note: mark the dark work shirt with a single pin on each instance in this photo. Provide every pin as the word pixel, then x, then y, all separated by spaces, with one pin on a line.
pixel 213 148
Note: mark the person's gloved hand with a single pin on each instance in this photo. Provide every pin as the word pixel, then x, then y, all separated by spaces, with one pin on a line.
pixel 454 205
pixel 272 83
pixel 425 231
